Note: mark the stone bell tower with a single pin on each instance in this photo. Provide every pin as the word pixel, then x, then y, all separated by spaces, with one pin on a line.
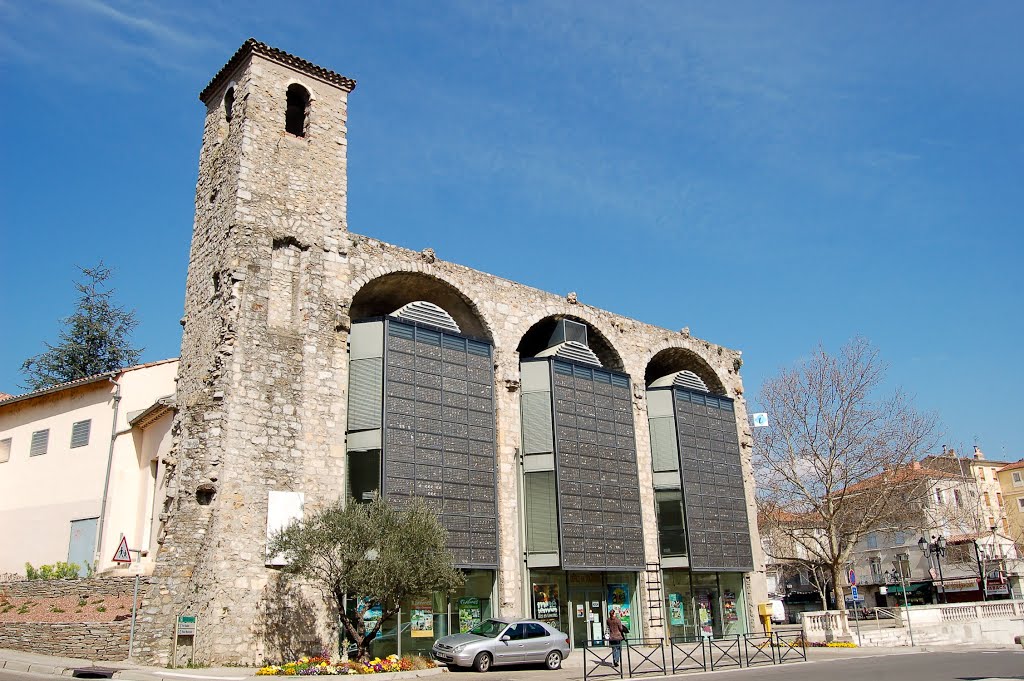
pixel 260 406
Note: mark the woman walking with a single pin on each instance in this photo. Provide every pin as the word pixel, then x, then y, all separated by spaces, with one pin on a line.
pixel 615 635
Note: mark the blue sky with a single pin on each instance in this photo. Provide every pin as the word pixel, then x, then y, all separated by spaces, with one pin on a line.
pixel 770 175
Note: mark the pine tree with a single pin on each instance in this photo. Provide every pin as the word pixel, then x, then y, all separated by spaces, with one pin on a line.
pixel 94 339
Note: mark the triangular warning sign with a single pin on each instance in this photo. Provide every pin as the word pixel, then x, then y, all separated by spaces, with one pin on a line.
pixel 122 555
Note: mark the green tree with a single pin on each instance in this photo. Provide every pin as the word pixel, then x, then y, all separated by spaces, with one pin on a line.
pixel 375 554
pixel 94 339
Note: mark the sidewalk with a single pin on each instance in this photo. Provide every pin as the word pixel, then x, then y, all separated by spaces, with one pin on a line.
pixel 17 660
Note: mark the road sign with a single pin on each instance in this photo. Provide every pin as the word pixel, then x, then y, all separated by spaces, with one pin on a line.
pixel 123 555
pixel 186 625
pixel 760 420
pixel 853 590
pixel 852 577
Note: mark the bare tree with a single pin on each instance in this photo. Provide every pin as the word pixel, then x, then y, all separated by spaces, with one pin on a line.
pixel 838 456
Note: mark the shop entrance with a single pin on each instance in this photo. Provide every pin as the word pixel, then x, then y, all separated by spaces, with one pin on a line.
pixel 588 616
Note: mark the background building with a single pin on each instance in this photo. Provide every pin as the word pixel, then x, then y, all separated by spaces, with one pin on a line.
pixel 81 465
pixel 317 363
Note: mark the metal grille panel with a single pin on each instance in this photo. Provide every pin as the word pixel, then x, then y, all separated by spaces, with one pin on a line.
pixel 598 487
pixel 712 477
pixel 439 433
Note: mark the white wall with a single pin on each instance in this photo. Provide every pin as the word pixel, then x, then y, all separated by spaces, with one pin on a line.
pixel 41 495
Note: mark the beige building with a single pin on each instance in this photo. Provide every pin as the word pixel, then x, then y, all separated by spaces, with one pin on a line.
pixel 81 466
pixel 1011 484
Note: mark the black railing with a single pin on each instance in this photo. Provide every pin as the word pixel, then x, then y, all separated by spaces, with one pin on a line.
pixel 759 649
pixel 689 654
pixel 645 656
pixel 598 661
pixel 725 652
pixel 791 647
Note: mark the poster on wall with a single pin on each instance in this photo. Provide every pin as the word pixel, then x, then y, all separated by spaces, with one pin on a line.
pixel 704 614
pixel 729 607
pixel 421 621
pixel 469 614
pixel 618 600
pixel 676 611
pixel 545 602
pixel 370 613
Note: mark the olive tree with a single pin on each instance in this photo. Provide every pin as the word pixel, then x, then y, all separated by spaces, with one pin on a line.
pixel 375 553
pixel 838 458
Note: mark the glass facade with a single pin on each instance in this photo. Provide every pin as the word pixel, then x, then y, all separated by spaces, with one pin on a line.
pixel 421 621
pixel 578 603
pixel 704 604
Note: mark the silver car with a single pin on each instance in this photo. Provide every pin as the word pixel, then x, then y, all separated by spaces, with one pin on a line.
pixel 497 642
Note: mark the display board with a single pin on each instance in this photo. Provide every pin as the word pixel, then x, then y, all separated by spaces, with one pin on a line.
pixel 439 440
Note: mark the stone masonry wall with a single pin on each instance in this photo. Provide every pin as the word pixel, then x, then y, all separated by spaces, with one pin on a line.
pixel 89 640
pixel 273 274
pixel 83 588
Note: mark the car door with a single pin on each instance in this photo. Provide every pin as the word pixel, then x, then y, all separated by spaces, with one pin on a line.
pixel 511 651
pixel 538 642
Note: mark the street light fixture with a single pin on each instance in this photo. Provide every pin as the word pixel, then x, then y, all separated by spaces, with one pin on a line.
pixel 937 548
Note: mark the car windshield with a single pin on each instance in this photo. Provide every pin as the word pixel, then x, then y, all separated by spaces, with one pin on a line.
pixel 489 628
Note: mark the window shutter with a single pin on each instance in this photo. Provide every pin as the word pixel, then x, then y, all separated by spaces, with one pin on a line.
pixel 366 389
pixel 40 439
pixel 80 433
pixel 664 447
pixel 537 431
pixel 541 512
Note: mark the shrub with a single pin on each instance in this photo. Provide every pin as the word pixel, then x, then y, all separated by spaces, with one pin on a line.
pixel 56 571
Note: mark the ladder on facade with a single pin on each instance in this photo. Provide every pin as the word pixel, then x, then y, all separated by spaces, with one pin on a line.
pixel 654 600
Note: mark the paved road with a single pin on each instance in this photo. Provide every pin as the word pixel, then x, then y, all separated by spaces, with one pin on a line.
pixel 952 665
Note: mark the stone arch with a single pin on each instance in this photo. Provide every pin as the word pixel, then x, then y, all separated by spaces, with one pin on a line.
pixel 536 337
pixel 383 294
pixel 674 358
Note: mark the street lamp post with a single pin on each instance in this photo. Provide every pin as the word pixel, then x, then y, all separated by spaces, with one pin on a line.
pixel 937 548
pixel 898 569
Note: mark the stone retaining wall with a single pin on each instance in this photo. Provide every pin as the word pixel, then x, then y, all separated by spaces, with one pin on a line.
pixel 92 640
pixel 83 588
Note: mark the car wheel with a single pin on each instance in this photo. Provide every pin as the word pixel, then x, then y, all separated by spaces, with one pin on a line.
pixel 553 661
pixel 482 662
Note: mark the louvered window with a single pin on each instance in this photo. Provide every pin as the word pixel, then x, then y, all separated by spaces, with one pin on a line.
pixel 5 450
pixel 664 447
pixel 541 512
pixel 366 385
pixel 40 439
pixel 80 433
pixel 537 433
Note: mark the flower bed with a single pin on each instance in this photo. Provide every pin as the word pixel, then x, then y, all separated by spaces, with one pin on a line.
pixel 322 666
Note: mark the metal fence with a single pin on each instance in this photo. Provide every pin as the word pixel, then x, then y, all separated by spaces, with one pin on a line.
pixel 659 657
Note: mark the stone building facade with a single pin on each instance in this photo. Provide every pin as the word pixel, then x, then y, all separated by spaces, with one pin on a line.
pixel 276 283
